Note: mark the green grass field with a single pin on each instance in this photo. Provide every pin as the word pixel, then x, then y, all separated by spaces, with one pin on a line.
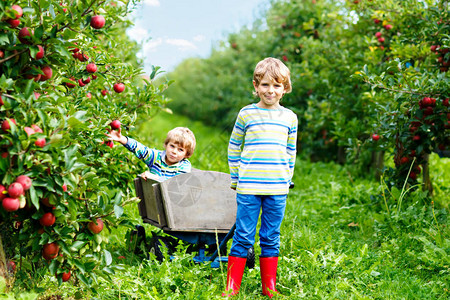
pixel 338 240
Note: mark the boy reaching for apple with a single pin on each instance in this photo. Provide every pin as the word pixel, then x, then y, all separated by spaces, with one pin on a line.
pixel 163 164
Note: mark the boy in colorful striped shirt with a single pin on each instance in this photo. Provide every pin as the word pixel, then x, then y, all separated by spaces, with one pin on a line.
pixel 163 164
pixel 261 157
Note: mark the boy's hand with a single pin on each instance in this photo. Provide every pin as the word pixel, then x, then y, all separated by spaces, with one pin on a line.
pixel 116 136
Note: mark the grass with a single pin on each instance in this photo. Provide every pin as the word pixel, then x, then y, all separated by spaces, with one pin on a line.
pixel 338 240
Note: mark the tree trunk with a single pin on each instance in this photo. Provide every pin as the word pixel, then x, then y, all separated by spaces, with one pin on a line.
pixel 378 163
pixel 3 267
pixel 427 185
pixel 341 155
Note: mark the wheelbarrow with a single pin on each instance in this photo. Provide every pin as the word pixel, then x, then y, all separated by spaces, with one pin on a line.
pixel 198 208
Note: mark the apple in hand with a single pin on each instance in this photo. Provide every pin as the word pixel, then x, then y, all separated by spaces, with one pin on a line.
pixel 115 124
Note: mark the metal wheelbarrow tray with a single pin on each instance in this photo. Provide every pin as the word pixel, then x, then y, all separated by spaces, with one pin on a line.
pixel 197 207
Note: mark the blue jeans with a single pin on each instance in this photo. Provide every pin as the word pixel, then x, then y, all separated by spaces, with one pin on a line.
pixel 248 208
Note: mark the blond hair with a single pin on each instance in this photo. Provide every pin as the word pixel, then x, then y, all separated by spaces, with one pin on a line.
pixel 182 136
pixel 276 70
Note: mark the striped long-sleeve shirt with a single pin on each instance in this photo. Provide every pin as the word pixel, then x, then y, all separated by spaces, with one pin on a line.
pixel 265 165
pixel 155 160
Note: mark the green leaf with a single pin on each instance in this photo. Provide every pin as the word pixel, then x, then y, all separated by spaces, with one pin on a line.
pixel 107 256
pixel 118 211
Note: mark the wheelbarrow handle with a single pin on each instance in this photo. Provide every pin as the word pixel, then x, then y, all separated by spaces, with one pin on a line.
pixel 223 243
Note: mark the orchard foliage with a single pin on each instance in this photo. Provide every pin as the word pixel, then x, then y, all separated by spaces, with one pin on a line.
pixel 65 76
pixel 360 71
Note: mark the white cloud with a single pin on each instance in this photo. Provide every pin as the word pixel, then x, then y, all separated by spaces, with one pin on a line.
pixel 151 2
pixel 152 45
pixel 182 44
pixel 199 38
pixel 138 33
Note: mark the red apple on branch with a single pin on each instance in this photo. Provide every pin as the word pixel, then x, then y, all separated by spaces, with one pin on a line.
pixel 25 35
pixel 18 10
pixel 6 125
pixel 50 250
pixel 10 204
pixel 3 192
pixel 119 87
pixel 65 276
pixel 96 228
pixel 48 73
pixel 48 219
pixel 40 142
pixel 375 137
pixel 25 181
pixel 15 190
pixel 91 68
pixel 97 21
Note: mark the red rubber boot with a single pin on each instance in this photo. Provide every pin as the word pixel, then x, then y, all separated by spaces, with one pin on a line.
pixel 268 267
pixel 236 266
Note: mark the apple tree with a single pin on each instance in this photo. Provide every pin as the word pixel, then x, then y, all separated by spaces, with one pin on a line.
pixel 408 75
pixel 68 72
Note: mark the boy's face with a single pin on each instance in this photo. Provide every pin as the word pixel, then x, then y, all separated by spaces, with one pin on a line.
pixel 270 92
pixel 174 153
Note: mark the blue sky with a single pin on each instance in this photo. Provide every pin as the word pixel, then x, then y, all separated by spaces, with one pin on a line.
pixel 172 30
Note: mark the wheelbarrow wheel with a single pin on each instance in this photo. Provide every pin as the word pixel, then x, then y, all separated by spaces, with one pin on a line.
pixel 250 258
pixel 136 240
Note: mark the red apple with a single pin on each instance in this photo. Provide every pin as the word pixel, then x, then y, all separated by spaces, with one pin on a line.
pixel 50 250
pixel 13 23
pixel 15 190
pixel 6 125
pixel 104 92
pixel 115 124
pixel 40 53
pixel 47 73
pixel 70 85
pixel 25 181
pixel 285 58
pixel 80 82
pixel 11 204
pixel 91 68
pixel 413 175
pixel 119 87
pixel 433 48
pixel 65 276
pixel 96 228
pixel 381 39
pixel 404 160
pixel 40 142
pixel 18 10
pixel 444 102
pixel 89 95
pixel 94 77
pixel 388 26
pixel 97 21
pixel 25 35
pixel 87 80
pixel 377 21
pixel 36 128
pixel 48 219
pixel 46 202
pixel 375 137
pixel 416 138
pixel 64 187
pixel 29 130
pixel 378 34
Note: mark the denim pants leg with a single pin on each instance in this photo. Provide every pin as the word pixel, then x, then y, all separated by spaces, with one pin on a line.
pixel 248 208
pixel 273 208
